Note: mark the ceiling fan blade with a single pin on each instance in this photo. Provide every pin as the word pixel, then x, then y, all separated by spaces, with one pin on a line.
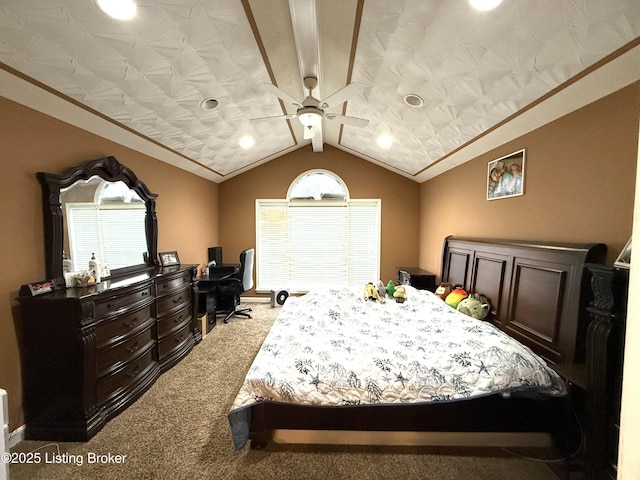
pixel 341 95
pixel 284 96
pixel 317 141
pixel 275 117
pixel 355 121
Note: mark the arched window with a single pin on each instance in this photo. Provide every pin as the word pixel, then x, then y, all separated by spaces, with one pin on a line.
pixel 318 185
pixel 317 236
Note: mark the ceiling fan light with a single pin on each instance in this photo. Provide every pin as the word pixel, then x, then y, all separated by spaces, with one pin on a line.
pixel 485 5
pixel 118 9
pixel 309 117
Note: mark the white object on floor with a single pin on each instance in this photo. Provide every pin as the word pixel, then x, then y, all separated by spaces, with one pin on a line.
pixel 4 436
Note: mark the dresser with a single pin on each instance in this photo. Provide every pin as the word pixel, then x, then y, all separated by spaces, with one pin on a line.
pixel 89 352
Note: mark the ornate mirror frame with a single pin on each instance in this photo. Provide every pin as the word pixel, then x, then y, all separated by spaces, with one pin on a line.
pixel 109 169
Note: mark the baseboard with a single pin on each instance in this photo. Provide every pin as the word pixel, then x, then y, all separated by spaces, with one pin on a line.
pixel 255 299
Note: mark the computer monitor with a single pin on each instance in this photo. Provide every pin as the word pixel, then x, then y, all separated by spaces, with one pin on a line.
pixel 215 253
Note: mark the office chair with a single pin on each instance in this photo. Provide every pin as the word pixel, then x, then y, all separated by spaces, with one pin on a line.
pixel 231 286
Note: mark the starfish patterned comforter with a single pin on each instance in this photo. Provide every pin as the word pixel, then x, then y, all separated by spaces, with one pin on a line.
pixel 334 348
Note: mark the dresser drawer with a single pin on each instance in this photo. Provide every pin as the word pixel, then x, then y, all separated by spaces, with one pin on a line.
pixel 174 341
pixel 121 380
pixel 167 285
pixel 117 328
pixel 115 356
pixel 174 301
pixel 113 305
pixel 176 320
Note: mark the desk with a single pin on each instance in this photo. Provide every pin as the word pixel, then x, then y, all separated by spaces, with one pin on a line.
pixel 206 286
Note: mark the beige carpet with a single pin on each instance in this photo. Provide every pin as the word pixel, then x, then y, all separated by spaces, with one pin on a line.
pixel 179 430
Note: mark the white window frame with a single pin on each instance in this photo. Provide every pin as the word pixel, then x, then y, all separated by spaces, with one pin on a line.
pixel 276 246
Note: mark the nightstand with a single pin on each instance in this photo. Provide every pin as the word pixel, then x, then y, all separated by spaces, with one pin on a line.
pixel 417 278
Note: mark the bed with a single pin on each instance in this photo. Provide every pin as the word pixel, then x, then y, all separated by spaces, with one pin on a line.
pixel 335 361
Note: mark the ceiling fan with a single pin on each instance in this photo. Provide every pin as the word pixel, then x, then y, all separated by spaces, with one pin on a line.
pixel 311 111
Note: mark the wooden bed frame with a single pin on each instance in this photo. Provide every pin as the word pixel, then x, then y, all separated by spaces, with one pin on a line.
pixel 538 293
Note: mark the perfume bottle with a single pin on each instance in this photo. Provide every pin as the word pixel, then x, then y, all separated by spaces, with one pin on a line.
pixel 67 264
pixel 94 267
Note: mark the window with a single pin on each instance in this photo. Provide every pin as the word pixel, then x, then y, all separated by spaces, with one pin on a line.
pixel 317 237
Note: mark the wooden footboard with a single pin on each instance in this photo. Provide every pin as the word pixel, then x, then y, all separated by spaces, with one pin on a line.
pixel 488 414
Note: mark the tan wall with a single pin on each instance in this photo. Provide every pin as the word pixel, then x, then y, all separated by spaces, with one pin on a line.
pixel 579 184
pixel 399 239
pixel 187 209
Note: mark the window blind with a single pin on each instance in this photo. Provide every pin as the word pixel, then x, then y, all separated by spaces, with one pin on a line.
pixel 308 244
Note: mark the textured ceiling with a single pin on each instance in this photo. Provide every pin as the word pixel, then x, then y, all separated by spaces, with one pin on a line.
pixel 473 70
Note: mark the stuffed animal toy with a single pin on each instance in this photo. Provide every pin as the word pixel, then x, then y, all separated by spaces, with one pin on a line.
pixel 390 288
pixel 382 289
pixel 371 293
pixel 443 290
pixel 400 294
pixel 453 299
pixel 475 305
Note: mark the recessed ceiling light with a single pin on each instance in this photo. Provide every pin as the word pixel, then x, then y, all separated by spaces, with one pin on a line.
pixel 246 141
pixel 485 4
pixel 413 100
pixel 209 103
pixel 384 141
pixel 119 9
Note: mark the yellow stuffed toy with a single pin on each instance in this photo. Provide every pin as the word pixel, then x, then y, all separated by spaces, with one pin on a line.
pixel 370 292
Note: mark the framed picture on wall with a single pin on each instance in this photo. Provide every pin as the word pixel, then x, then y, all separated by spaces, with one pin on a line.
pixel 169 258
pixel 505 176
pixel 624 259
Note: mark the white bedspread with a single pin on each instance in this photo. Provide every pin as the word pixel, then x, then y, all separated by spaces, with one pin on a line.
pixel 333 348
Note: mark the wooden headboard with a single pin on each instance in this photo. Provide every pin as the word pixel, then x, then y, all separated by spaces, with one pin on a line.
pixel 538 291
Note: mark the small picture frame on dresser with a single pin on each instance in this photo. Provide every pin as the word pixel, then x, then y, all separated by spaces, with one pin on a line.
pixel 168 258
pixel 624 259
pixel 38 288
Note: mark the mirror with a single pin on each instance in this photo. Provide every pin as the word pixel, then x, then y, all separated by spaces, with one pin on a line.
pixel 103 221
pixel 99 207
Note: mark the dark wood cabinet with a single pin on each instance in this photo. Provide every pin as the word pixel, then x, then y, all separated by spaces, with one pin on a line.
pixel 89 352
pixel 605 351
pixel 416 277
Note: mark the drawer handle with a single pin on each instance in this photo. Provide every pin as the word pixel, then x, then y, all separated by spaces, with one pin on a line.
pixel 179 340
pixel 135 372
pixel 110 305
pixel 132 323
pixel 177 300
pixel 134 348
pixel 178 319
pixel 145 293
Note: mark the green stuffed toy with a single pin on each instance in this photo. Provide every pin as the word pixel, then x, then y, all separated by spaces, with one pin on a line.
pixel 390 288
pixel 475 305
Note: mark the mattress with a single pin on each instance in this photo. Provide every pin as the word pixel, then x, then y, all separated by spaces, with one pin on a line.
pixel 332 347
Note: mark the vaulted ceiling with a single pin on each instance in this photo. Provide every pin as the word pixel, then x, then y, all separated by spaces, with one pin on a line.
pixel 483 76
